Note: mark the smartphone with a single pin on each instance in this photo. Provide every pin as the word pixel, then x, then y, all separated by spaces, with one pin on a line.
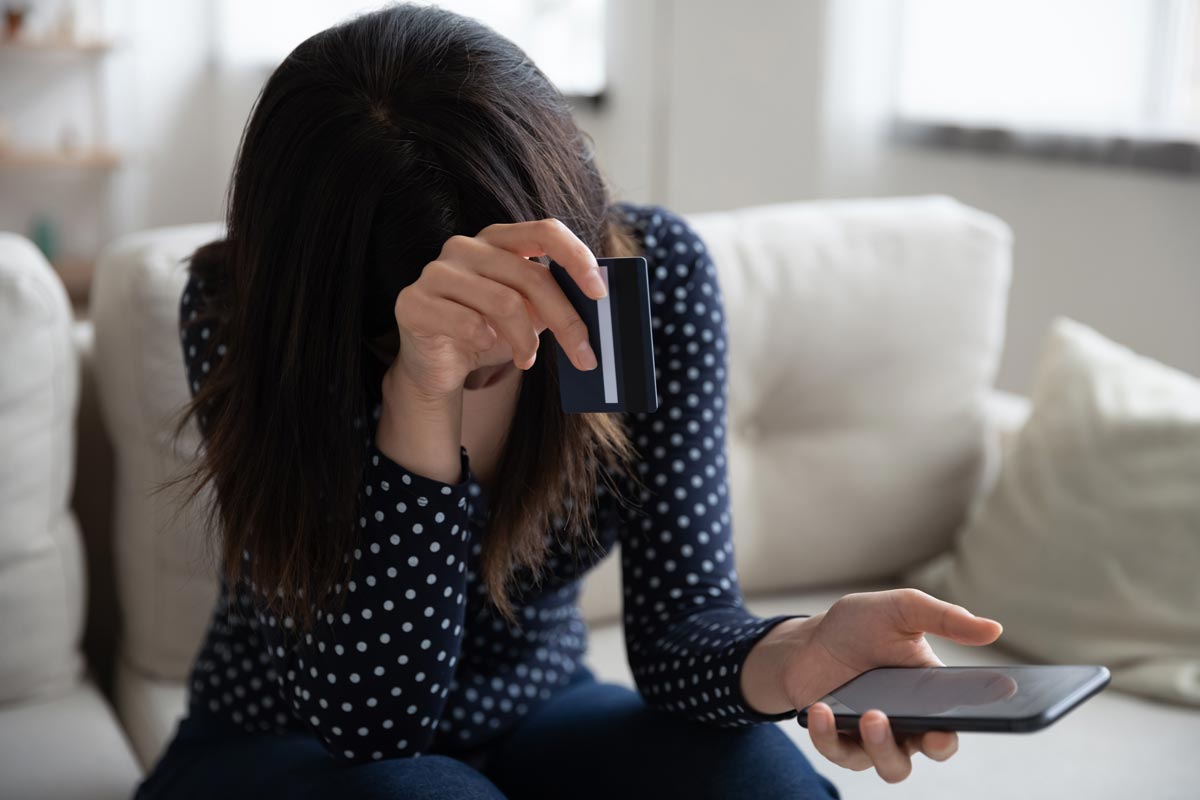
pixel 1015 699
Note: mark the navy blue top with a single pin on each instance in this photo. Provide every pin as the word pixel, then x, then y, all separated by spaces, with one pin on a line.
pixel 419 660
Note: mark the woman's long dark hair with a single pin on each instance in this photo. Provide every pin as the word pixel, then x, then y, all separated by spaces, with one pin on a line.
pixel 369 146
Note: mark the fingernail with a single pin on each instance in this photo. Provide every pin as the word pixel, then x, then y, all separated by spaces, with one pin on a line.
pixel 598 285
pixel 586 356
pixel 876 731
pixel 817 722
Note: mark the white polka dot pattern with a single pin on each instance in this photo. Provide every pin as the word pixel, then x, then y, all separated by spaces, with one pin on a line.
pixel 418 661
pixel 687 630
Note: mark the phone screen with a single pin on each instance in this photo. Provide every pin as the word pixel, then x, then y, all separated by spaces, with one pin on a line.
pixel 961 692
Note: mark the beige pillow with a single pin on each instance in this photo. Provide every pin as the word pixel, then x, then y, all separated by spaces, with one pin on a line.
pixel 1088 548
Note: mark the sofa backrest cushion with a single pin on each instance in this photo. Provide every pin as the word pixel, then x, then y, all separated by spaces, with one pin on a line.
pixel 42 580
pixel 864 337
pixel 164 566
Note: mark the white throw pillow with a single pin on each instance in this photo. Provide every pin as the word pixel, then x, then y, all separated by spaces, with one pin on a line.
pixel 1088 548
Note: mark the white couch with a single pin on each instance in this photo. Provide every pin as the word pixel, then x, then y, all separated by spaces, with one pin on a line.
pixel 59 737
pixel 864 337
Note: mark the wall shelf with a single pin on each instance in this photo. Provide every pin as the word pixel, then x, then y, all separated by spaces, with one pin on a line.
pixel 99 159
pixel 78 46
pixel 88 155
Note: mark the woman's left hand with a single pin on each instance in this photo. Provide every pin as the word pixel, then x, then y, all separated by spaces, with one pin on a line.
pixel 858 633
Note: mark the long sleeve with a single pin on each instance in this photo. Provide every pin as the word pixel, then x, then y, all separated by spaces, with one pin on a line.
pixel 687 629
pixel 370 680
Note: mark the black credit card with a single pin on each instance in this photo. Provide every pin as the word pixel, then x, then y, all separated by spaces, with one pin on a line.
pixel 619 330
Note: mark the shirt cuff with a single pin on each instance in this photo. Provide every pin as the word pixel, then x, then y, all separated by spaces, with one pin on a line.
pixel 745 711
pixel 390 475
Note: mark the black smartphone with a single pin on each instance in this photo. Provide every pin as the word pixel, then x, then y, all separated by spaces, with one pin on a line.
pixel 620 331
pixel 1015 699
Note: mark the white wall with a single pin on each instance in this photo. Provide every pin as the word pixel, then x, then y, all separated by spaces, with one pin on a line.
pixel 169 130
pixel 1115 248
pixel 766 101
pixel 712 105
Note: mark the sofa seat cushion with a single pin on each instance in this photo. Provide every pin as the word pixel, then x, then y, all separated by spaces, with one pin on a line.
pixel 66 747
pixel 1114 745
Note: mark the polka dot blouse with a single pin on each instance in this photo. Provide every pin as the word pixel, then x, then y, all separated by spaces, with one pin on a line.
pixel 418 661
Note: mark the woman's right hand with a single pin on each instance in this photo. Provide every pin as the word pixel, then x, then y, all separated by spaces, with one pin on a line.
pixel 483 302
pixel 480 303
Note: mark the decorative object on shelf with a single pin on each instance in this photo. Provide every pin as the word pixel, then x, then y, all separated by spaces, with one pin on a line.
pixel 14 19
pixel 44 233
pixel 66 26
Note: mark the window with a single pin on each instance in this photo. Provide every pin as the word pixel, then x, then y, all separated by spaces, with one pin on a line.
pixel 565 38
pixel 1117 68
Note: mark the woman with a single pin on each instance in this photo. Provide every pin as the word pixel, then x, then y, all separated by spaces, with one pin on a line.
pixel 405 512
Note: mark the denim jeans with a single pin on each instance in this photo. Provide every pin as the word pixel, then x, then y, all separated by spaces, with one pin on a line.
pixel 590 740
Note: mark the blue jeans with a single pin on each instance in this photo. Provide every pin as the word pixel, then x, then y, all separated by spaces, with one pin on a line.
pixel 590 740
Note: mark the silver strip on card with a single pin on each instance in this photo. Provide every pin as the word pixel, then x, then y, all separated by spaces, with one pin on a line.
pixel 608 351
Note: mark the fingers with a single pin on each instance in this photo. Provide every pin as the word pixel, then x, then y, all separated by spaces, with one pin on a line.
pixel 550 237
pixel 938 745
pixel 876 745
pixel 439 316
pixel 838 748
pixel 503 306
pixel 892 762
pixel 549 305
pixel 923 613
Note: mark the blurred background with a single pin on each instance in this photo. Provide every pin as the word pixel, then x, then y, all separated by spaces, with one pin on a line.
pixel 1076 122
